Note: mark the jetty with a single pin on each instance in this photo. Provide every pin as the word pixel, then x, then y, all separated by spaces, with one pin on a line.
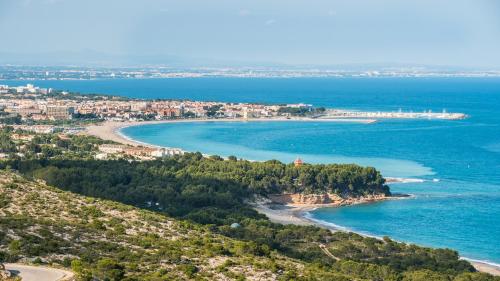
pixel 335 113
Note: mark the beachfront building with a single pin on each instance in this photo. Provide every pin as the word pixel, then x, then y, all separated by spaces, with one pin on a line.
pixel 139 151
pixel 57 112
pixel 169 112
pixel 139 106
pixel 166 152
pixel 111 148
pixel 39 129
pixel 25 110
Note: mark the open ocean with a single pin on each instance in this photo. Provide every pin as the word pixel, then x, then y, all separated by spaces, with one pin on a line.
pixel 457 205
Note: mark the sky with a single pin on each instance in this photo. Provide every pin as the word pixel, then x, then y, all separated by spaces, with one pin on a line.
pixel 462 33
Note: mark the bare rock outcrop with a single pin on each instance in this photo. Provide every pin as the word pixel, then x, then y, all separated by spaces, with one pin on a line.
pixel 321 199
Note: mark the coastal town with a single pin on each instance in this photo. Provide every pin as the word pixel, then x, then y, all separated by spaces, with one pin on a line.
pixel 48 111
pixel 41 104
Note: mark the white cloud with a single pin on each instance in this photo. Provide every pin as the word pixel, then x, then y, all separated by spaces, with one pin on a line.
pixel 332 13
pixel 270 22
pixel 244 13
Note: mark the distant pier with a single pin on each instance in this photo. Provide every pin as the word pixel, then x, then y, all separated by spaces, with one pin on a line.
pixel 333 113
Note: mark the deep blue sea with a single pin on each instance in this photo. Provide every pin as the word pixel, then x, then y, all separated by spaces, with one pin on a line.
pixel 458 204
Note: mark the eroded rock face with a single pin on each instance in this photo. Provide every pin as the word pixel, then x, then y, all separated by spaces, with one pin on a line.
pixel 306 199
pixel 317 199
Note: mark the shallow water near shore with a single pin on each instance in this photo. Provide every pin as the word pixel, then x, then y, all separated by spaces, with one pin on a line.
pixel 262 141
pixel 457 205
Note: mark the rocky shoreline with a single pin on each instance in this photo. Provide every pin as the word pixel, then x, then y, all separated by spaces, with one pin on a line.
pixel 293 208
pixel 325 199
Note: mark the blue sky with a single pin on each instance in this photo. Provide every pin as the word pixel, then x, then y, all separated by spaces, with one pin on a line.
pixel 295 32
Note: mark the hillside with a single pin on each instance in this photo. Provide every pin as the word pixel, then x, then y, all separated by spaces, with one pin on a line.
pixel 112 241
pixel 43 224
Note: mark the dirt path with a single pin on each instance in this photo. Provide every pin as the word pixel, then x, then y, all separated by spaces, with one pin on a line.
pixel 39 273
pixel 327 252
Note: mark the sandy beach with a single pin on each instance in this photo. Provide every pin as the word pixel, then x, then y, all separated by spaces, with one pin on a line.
pixel 285 214
pixel 109 130
pixel 484 267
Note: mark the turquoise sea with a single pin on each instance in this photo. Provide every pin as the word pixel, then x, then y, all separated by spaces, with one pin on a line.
pixel 457 205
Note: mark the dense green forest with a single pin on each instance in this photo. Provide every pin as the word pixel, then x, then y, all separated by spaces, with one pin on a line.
pixel 264 178
pixel 183 185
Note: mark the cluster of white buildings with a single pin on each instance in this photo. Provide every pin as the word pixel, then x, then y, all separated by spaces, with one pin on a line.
pixel 28 89
pixel 31 102
pixel 38 109
pixel 136 151
pixel 47 129
pixel 159 110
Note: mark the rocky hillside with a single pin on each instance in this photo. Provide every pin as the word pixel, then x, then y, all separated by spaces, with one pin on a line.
pixel 104 240
pixel 99 238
